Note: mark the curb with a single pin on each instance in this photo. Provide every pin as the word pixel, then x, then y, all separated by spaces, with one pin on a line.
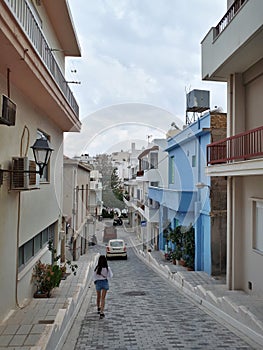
pixel 221 307
pixel 54 335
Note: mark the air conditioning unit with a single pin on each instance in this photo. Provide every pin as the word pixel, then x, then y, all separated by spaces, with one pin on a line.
pixel 7 111
pixel 20 180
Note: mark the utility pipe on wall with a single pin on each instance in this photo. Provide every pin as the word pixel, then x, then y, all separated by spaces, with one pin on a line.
pixel 229 194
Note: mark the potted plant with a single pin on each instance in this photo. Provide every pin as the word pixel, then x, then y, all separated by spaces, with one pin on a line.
pixel 177 254
pixel 46 277
pixel 68 263
pixel 72 267
pixel 176 237
pixel 189 244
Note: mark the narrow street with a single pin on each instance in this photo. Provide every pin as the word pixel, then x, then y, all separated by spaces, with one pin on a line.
pixel 145 312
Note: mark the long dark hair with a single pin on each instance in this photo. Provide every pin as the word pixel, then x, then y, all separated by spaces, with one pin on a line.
pixel 102 262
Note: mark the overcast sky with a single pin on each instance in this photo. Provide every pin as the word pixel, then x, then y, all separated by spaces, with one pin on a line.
pixel 139 59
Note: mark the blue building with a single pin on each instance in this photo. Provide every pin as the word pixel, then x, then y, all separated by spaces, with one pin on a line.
pixel 192 198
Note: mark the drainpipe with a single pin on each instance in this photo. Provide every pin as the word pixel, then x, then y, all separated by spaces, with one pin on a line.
pixel 230 195
pixel 17 247
pixel 229 232
pixel 19 213
pixel 74 180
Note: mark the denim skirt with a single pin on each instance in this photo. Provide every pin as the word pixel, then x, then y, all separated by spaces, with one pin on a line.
pixel 102 284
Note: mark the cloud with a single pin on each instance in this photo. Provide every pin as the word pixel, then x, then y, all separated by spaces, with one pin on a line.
pixel 141 52
pixel 106 129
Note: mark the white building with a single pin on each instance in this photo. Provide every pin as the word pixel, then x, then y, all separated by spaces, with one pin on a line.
pixel 33 43
pixel 232 52
pixel 95 204
pixel 143 213
pixel 121 160
pixel 76 201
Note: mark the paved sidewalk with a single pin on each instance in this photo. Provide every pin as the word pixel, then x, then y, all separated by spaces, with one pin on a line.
pixel 241 310
pixel 44 323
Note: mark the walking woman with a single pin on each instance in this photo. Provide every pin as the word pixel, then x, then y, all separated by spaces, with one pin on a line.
pixel 101 274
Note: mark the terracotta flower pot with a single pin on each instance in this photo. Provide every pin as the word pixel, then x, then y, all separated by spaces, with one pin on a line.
pixel 182 262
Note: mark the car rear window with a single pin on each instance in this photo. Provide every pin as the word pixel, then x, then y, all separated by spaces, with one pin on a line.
pixel 116 244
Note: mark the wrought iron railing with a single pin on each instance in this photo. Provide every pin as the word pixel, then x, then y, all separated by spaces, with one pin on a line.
pixel 247 145
pixel 232 11
pixel 28 22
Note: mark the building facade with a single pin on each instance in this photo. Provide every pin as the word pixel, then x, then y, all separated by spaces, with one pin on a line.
pixel 142 211
pixel 42 105
pixel 76 207
pixel 183 204
pixel 235 56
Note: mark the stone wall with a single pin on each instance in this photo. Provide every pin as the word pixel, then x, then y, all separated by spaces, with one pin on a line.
pixel 218 193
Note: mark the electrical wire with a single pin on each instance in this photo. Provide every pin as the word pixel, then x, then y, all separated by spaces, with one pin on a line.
pixel 27 141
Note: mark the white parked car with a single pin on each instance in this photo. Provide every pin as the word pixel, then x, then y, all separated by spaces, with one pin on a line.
pixel 116 248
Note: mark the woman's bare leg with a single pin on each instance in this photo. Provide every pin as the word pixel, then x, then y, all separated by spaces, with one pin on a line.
pixel 102 304
pixel 98 298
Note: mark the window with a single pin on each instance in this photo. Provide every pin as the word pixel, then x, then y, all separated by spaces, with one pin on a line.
pixel 37 243
pixel 154 160
pixel 258 225
pixel 144 164
pixel 34 245
pixel 194 161
pixel 28 250
pixel 44 235
pixel 171 170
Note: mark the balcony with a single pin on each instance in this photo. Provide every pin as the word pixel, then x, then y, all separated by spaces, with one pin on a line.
pixel 180 201
pixel 226 48
pixel 149 175
pixel 26 19
pixel 231 13
pixel 130 202
pixel 241 153
pixel 140 173
pixel 140 205
pixel 247 145
pixel 33 65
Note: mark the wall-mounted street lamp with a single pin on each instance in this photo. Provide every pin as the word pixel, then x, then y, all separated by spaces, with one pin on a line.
pixel 201 185
pixel 42 152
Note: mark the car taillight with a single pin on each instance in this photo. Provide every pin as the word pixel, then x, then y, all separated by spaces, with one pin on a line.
pixel 108 249
pixel 124 249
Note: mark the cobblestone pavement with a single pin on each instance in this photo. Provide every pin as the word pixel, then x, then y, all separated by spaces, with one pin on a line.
pixel 145 312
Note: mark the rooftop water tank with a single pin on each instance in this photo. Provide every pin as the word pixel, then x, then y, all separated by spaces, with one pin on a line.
pixel 197 101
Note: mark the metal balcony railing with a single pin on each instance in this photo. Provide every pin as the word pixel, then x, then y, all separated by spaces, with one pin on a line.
pixel 232 11
pixel 247 145
pixel 28 22
pixel 140 173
